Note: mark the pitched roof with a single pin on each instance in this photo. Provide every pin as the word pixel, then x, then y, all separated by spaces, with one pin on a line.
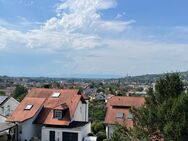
pixel 128 101
pixel 68 97
pixel 3 99
pixel 21 114
pixel 121 104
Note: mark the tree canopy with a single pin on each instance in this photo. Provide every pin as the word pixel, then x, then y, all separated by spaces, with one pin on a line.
pixel 165 114
pixel 19 92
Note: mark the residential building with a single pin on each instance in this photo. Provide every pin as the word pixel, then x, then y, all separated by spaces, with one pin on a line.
pixel 118 111
pixel 7 105
pixel 6 130
pixel 52 115
pixel 2 119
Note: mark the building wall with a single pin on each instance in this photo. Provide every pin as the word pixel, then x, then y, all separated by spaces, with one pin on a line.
pixel 9 106
pixel 28 129
pixel 109 130
pixel 2 119
pixel 82 132
pixel 81 113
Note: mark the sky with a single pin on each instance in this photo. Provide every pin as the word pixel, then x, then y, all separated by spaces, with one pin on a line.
pixel 92 38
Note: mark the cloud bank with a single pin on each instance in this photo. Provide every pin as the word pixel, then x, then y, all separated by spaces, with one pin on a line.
pixel 79 40
pixel 78 24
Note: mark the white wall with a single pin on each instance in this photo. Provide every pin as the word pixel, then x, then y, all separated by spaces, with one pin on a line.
pixel 29 129
pixel 109 130
pixel 82 132
pixel 81 113
pixel 2 119
pixel 91 138
pixel 13 103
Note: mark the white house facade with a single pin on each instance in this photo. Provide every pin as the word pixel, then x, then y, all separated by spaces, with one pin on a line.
pixel 76 133
pixel 52 115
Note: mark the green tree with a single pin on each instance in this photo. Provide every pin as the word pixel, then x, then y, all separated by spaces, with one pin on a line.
pixel 19 92
pixel 98 127
pixel 165 114
pixel 101 136
pixel 2 93
pixel 120 133
pixel 97 110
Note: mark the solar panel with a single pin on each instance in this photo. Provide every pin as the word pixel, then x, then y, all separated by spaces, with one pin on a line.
pixel 55 94
pixel 119 115
pixel 28 107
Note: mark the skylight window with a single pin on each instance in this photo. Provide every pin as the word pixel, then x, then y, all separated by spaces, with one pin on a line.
pixel 56 94
pixel 119 115
pixel 28 107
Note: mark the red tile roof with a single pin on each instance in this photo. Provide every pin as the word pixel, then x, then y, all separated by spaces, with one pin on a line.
pixel 126 101
pixel 67 96
pixel 121 104
pixel 20 114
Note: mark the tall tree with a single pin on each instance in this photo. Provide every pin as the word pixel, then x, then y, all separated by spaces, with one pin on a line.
pixel 165 114
pixel 19 92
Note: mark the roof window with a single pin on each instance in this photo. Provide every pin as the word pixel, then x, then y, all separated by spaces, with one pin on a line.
pixel 28 107
pixel 56 94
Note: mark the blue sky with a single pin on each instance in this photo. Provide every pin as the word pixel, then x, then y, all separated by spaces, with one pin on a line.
pixel 92 38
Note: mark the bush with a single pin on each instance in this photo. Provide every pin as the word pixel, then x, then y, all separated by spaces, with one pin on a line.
pixel 98 127
pixel 35 139
pixel 101 136
pixel 90 134
pixel 2 93
pixel 107 140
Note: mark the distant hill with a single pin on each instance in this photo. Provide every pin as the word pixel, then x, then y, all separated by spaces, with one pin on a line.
pixel 147 79
pixel 150 78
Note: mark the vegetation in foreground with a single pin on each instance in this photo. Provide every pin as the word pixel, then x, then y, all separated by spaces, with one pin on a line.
pixel 164 116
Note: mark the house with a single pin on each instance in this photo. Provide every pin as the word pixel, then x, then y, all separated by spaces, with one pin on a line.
pixel 7 105
pixel 118 111
pixel 2 118
pixel 6 129
pixel 52 115
pixel 108 97
pixel 100 96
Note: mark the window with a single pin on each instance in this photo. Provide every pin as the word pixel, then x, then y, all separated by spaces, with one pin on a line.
pixel 28 107
pixel 68 136
pixel 52 135
pixel 56 94
pixel 130 115
pixel 58 114
pixel 119 115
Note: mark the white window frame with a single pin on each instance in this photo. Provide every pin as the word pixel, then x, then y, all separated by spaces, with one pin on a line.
pixel 58 114
pixel 28 107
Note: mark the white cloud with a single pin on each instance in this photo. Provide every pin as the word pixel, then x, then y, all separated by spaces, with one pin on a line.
pixel 78 24
pixel 83 41
pixel 133 57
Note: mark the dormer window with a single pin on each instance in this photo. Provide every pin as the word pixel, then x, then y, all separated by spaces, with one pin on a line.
pixel 58 114
pixel 119 115
pixel 56 94
pixel 28 107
